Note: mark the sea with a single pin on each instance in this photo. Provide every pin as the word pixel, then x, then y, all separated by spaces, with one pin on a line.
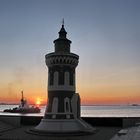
pixel 89 111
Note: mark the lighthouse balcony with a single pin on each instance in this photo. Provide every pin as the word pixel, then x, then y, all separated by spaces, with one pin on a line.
pixel 59 59
pixel 61 88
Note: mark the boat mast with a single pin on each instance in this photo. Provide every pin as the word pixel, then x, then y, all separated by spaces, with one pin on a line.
pixel 22 99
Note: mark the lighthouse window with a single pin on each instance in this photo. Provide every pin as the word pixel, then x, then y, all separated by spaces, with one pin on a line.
pixel 61 78
pixel 54 107
pixel 72 77
pixel 67 80
pixel 55 78
pixel 67 105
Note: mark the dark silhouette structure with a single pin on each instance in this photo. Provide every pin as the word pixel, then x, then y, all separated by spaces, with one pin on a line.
pixel 62 114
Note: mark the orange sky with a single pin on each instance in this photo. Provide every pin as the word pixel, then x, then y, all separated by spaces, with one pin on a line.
pixel 95 90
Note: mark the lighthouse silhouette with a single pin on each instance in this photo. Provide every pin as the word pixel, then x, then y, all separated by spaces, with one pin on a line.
pixel 62 115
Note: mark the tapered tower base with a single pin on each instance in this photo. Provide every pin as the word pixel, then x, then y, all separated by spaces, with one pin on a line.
pixel 63 127
pixel 73 125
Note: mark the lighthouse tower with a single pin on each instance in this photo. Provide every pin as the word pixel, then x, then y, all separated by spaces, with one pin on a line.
pixel 62 113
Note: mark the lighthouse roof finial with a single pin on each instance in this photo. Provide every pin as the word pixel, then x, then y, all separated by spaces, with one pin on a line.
pixel 63 22
pixel 62 32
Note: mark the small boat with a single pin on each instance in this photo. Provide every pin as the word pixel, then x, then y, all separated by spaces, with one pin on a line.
pixel 135 104
pixel 23 107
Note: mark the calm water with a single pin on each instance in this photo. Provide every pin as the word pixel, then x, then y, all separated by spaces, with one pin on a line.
pixel 90 111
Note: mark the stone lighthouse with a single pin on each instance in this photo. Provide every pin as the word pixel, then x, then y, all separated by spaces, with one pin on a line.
pixel 62 113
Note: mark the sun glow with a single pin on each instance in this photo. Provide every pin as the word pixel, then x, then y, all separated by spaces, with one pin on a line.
pixel 38 101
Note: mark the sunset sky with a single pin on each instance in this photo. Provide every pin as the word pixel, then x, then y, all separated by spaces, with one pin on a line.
pixel 104 33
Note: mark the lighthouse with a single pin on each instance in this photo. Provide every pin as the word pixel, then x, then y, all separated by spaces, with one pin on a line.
pixel 62 115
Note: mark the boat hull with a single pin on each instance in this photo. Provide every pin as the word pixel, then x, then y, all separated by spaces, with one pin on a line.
pixel 29 110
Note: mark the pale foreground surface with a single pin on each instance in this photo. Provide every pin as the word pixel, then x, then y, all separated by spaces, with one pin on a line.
pixel 131 133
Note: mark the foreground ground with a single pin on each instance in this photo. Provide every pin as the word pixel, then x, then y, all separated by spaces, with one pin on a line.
pixel 20 133
pixel 107 128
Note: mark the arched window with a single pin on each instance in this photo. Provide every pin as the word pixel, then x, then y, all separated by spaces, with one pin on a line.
pixel 54 107
pixel 67 80
pixel 55 80
pixel 67 107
